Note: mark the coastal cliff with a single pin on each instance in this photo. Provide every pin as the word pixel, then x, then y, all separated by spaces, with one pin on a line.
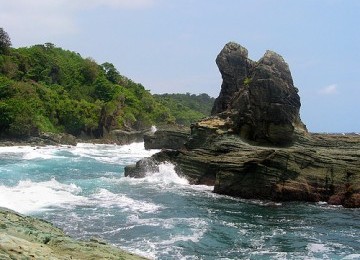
pixel 255 145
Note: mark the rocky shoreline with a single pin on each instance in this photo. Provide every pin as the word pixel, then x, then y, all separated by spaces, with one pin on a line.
pixel 320 167
pixel 255 145
pixel 24 237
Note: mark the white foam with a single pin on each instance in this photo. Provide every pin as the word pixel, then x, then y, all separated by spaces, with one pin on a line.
pixel 31 153
pixel 166 179
pixel 107 199
pixel 317 248
pixel 111 153
pixel 166 175
pixel 352 256
pixel 108 153
pixel 40 153
pixel 153 129
pixel 28 196
pixel 197 227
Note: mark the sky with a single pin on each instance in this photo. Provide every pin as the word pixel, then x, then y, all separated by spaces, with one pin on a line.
pixel 170 46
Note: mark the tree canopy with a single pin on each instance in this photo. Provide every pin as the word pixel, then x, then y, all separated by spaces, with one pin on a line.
pixel 5 42
pixel 187 108
pixel 44 88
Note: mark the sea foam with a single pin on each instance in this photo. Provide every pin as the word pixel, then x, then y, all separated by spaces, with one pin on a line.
pixel 106 199
pixel 111 153
pixel 166 175
pixel 28 196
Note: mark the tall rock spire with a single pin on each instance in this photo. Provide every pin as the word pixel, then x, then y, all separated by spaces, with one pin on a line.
pixel 259 97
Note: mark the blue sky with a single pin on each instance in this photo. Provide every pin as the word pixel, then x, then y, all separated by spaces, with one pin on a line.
pixel 171 45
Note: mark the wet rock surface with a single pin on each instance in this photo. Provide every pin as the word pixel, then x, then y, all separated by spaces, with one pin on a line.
pixel 23 237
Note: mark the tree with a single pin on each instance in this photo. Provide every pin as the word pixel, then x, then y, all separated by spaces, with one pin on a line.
pixel 5 42
pixel 111 72
pixel 104 90
pixel 90 70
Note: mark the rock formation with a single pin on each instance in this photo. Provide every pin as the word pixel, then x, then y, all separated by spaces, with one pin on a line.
pixel 255 145
pixel 23 237
pixel 169 138
pixel 259 97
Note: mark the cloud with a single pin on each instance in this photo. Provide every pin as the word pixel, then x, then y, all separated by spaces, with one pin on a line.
pixel 43 5
pixel 128 4
pixel 41 20
pixel 329 90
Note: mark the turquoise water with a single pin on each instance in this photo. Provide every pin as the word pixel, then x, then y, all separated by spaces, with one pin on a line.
pixel 83 190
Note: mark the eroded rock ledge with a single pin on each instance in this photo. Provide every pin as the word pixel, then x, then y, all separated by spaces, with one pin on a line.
pixel 255 145
pixel 23 237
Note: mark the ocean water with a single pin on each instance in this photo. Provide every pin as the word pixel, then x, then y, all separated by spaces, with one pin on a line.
pixel 83 190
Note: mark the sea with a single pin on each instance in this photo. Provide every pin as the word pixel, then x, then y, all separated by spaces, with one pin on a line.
pixel 82 190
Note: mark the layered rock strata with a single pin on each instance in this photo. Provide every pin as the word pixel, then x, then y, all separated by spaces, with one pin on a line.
pixel 324 168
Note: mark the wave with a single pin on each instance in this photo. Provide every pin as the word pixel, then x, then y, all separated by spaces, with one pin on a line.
pixel 111 153
pixel 166 175
pixel 28 196
pixel 108 153
pixel 106 199
pixel 163 180
pixel 30 152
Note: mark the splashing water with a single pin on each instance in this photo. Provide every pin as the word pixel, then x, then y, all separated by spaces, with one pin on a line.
pixel 83 190
pixel 153 129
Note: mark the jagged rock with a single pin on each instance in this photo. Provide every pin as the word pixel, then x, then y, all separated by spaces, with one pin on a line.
pixel 23 237
pixel 141 167
pixel 259 97
pixel 149 165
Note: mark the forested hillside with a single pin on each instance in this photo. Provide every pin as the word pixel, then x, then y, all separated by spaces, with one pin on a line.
pixel 187 108
pixel 44 88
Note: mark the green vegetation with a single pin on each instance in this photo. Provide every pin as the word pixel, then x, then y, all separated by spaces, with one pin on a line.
pixel 187 108
pixel 44 88
pixel 247 81
pixel 47 89
pixel 5 42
